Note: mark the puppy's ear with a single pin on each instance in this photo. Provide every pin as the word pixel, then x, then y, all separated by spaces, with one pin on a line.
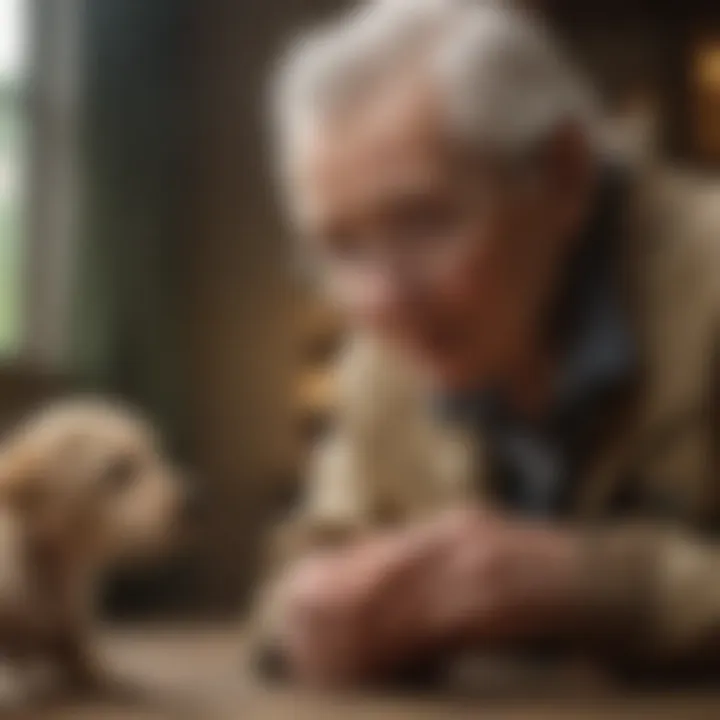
pixel 21 481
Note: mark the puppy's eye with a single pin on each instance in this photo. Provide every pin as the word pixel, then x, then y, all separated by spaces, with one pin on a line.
pixel 120 473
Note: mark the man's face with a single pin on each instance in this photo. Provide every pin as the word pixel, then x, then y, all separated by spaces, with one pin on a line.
pixel 428 245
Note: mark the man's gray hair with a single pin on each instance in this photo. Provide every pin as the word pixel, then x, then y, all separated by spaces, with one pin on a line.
pixel 506 83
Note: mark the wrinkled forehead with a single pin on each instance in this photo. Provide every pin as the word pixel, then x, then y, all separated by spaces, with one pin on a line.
pixel 393 140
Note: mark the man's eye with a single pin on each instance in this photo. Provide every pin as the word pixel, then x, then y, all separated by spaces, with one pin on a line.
pixel 120 473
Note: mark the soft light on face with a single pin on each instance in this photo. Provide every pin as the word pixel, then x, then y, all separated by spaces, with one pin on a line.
pixel 432 247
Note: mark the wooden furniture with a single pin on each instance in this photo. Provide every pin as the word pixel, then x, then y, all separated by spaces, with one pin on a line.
pixel 198 673
pixel 704 97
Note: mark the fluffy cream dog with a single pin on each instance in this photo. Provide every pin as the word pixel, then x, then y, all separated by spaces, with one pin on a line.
pixel 82 485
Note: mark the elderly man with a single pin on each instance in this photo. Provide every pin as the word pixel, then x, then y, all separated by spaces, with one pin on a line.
pixel 534 340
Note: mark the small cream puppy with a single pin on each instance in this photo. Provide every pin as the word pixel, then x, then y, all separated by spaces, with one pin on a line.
pixel 82 485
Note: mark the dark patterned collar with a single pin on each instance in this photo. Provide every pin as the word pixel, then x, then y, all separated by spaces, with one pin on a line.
pixel 599 351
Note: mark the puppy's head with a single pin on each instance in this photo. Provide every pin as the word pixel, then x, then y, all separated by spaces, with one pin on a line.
pixel 89 476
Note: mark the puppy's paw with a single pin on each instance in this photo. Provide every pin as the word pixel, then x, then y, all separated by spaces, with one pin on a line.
pixel 16 689
pixel 268 662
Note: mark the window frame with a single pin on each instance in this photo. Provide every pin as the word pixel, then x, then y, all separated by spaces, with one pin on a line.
pixel 13 109
pixel 53 210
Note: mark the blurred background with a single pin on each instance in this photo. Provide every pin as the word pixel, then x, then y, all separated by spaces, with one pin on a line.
pixel 142 253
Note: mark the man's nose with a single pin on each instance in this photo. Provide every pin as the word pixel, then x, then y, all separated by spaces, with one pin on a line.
pixel 387 292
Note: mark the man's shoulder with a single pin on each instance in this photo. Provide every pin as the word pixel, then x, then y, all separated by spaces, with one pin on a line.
pixel 674 293
pixel 674 232
pixel 677 214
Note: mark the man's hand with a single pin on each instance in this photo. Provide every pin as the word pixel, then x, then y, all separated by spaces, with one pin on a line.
pixel 463 579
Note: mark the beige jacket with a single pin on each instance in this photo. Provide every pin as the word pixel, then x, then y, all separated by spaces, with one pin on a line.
pixel 657 570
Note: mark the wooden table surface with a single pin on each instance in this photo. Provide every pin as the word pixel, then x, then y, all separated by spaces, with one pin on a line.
pixel 199 673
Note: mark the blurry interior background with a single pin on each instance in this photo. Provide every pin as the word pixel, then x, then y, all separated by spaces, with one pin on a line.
pixel 142 253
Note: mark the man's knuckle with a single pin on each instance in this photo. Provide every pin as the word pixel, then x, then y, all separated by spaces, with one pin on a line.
pixel 493 564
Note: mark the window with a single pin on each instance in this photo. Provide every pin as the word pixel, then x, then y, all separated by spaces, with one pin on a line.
pixel 13 169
